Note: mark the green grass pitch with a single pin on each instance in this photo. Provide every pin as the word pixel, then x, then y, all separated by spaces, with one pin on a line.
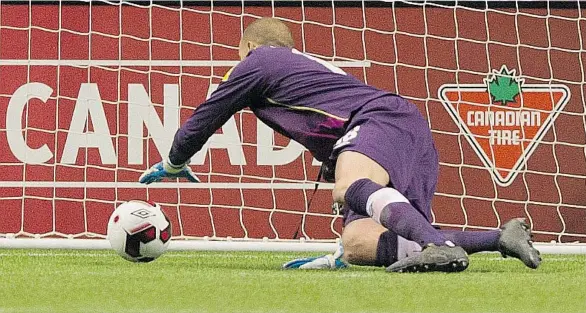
pixel 100 281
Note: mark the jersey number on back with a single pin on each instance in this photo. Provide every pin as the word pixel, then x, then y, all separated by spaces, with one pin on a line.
pixel 347 138
pixel 327 64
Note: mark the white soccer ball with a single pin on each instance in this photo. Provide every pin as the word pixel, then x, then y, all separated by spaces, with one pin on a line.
pixel 139 231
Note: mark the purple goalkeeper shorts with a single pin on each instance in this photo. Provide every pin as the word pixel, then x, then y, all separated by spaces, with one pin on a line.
pixel 393 133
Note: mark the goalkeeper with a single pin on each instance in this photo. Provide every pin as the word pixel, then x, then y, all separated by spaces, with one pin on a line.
pixel 378 145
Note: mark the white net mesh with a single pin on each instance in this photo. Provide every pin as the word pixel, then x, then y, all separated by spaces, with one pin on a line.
pixel 90 93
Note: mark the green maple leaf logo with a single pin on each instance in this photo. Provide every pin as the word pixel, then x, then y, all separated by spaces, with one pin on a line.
pixel 503 86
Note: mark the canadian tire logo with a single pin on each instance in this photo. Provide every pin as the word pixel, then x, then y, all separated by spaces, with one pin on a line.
pixel 504 119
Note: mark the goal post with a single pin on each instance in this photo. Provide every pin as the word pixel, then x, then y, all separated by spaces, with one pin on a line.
pixel 92 93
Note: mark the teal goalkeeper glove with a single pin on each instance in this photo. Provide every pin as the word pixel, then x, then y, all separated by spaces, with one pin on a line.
pixel 165 169
pixel 329 261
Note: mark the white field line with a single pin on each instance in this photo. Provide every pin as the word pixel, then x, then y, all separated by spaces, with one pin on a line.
pixel 127 63
pixel 185 185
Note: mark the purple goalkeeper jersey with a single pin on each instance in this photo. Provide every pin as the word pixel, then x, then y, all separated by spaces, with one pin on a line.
pixel 301 97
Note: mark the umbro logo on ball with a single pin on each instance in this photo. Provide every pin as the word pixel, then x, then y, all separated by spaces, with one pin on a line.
pixel 142 213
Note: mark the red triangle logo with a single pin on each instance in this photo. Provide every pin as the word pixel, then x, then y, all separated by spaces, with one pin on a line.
pixel 504 119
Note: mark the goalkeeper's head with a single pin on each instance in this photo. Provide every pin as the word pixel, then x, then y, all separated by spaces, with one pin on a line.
pixel 265 32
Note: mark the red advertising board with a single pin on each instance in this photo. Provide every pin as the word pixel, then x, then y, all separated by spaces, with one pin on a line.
pixel 82 87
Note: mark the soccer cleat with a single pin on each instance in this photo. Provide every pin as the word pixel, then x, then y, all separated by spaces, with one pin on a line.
pixel 433 259
pixel 515 241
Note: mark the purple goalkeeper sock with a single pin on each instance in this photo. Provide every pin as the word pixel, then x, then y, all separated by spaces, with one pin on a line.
pixel 474 241
pixel 400 217
pixel 387 249
pixel 357 194
pixel 408 223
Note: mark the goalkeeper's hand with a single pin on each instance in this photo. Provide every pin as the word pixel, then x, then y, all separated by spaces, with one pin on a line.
pixel 165 169
pixel 329 261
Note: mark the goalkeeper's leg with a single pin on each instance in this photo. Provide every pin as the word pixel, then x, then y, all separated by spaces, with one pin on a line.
pixel 364 242
pixel 368 243
pixel 362 184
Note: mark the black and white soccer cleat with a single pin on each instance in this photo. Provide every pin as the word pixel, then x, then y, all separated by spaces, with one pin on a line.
pixel 515 241
pixel 433 259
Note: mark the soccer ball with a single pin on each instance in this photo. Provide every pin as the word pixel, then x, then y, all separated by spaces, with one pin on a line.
pixel 139 231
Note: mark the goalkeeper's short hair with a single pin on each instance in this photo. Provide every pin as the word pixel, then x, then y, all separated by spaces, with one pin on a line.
pixel 269 32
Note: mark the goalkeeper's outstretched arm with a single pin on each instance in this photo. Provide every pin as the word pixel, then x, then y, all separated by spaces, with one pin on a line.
pixel 241 87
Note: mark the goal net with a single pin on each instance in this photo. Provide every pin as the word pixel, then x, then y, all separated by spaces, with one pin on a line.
pixel 91 95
